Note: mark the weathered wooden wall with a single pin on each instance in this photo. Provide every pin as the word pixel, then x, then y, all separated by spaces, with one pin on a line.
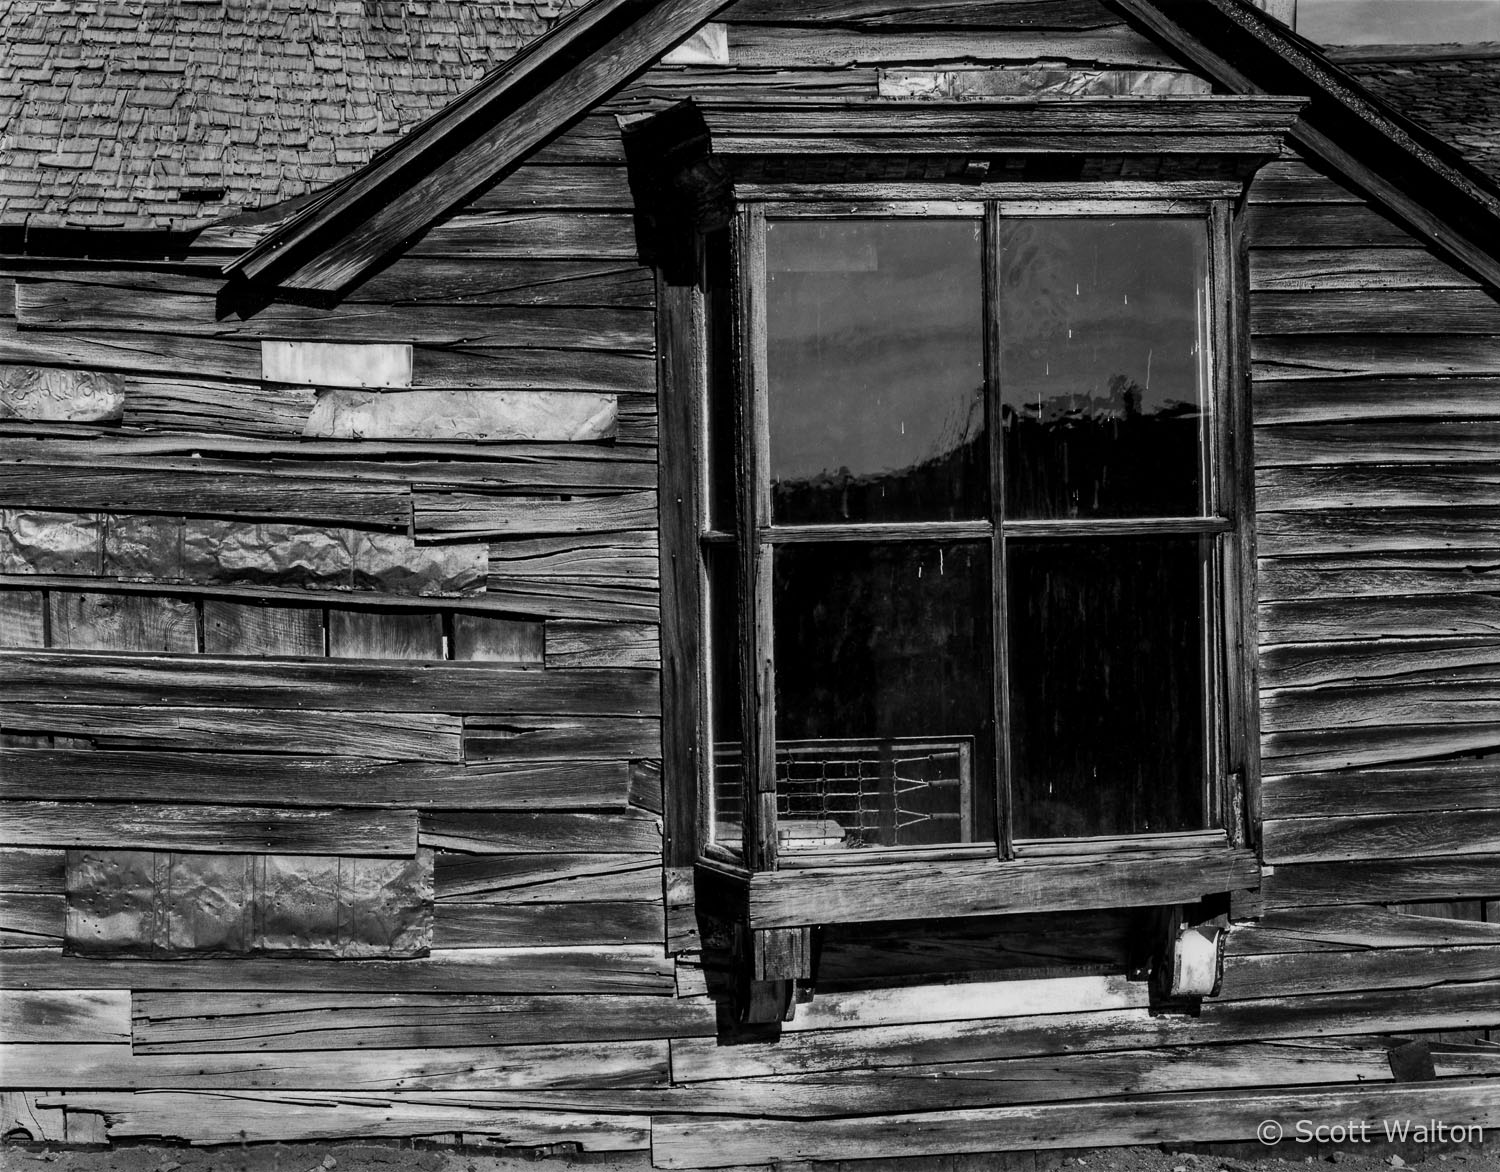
pixel 232 626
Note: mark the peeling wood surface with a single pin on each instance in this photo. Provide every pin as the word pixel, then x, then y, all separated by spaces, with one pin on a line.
pixel 469 416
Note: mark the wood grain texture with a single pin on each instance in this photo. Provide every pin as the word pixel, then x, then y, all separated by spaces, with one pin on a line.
pixel 535 187
pixel 616 969
pixel 1462 877
pixel 115 622
pixel 1364 486
pixel 386 635
pixel 769 47
pixel 685 1142
pixel 419 736
pixel 127 825
pixel 308 780
pixel 1397 576
pixel 489 639
pixel 1448 786
pixel 570 643
pixel 1374 403
pixel 482 832
pixel 240 628
pixel 576 738
pixel 1419 619
pixel 1295 180
pixel 1378 355
pixel 32 921
pixel 550 877
pixel 547 925
pixel 70 1017
pixel 206 494
pixel 603 1065
pixel 985 887
pixel 1347 928
pixel 978 1040
pixel 1330 225
pixel 200 1119
pixel 1443 833
pixel 470 514
pixel 906 14
pixel 347 686
pixel 23 618
pixel 1398 311
pixel 1305 269
pixel 1314 751
pixel 1367 530
pixel 1364 440
pixel 189 1023
pixel 39 872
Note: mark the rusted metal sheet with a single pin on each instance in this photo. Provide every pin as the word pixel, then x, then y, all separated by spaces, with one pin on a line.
pixel 161 904
pixel 60 396
pixel 34 542
pixel 336 364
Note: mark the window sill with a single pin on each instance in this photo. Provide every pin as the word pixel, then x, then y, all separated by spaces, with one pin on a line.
pixel 1060 876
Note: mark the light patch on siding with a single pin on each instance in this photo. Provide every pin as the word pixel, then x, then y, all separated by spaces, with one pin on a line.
pixel 336 364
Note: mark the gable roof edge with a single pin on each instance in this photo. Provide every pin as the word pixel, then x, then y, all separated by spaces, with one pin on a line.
pixel 1428 185
pixel 443 161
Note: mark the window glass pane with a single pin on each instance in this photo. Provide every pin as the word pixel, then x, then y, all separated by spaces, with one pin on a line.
pixel 1103 366
pixel 884 726
pixel 726 797
pixel 1106 686
pixel 875 351
pixel 718 304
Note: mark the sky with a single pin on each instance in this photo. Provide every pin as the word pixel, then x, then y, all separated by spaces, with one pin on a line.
pixel 1398 22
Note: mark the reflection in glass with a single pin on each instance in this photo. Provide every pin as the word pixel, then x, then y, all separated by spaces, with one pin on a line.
pixel 726 822
pixel 884 729
pixel 718 304
pixel 875 349
pixel 1103 366
pixel 1106 686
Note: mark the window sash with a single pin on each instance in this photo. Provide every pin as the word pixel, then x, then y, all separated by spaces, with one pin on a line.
pixel 759 536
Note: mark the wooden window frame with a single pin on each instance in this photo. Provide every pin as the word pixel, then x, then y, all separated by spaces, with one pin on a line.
pixel 980 879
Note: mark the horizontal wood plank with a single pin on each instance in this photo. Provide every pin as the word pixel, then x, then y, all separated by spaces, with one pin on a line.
pixel 449 514
pixel 1362 530
pixel 484 832
pixel 1309 268
pixel 907 14
pixel 124 825
pixel 303 780
pixel 978 1040
pixel 65 1016
pixel 684 1142
pixel 551 877
pixel 1449 785
pixel 1320 750
pixel 580 644
pixel 762 47
pixel 214 1023
pixel 852 894
pixel 1377 355
pixel 1346 928
pixel 616 969
pixel 549 925
pixel 1338 836
pixel 1399 311
pixel 396 735
pixel 30 920
pixel 1327 225
pixel 573 738
pixel 346 685
pixel 1396 576
pixel 599 1065
pixel 1454 877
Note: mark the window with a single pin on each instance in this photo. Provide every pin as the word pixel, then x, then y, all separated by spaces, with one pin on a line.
pixel 970 544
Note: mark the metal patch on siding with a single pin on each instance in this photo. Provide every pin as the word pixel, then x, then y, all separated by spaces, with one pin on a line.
pixel 336 364
pixel 50 543
pixel 393 562
pixel 60 396
pixel 159 904
pixel 138 548
pixel 265 554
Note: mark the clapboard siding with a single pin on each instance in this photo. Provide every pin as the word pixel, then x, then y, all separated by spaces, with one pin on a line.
pixel 486 682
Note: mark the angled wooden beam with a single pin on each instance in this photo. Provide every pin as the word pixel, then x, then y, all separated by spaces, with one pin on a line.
pixel 446 159
pixel 1416 176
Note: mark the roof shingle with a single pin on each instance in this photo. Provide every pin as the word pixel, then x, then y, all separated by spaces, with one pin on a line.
pixel 140 101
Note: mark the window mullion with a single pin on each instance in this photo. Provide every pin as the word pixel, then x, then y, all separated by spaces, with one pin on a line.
pixel 757 667
pixel 1004 832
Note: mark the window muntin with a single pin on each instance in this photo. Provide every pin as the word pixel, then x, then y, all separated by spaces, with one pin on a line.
pixel 1105 681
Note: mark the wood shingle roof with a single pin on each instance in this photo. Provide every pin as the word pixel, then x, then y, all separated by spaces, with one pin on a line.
pixel 154 114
